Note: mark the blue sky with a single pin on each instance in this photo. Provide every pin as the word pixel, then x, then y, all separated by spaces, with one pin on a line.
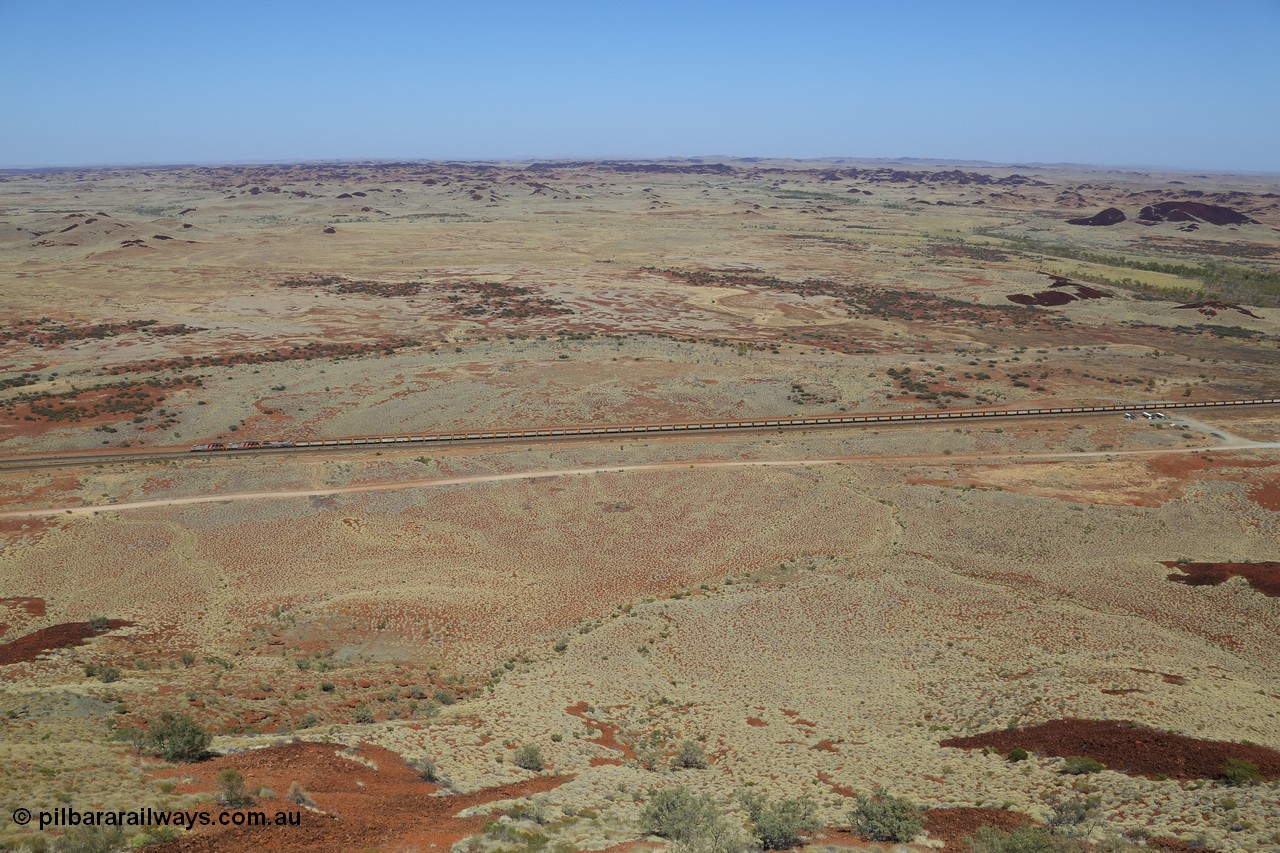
pixel 1183 84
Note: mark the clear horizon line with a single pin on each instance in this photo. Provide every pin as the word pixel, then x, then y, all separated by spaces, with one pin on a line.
pixel 175 164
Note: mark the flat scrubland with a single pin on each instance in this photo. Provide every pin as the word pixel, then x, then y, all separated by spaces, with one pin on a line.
pixel 817 610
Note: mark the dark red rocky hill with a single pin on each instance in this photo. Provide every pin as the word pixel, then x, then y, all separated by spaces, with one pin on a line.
pixel 1110 216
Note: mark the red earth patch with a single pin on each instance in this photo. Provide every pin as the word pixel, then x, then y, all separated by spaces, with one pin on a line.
pixel 62 636
pixel 1267 496
pixel 1264 577
pixel 1045 298
pixel 1127 747
pixel 1211 309
pixel 1167 677
pixel 608 736
pixel 33 606
pixel 952 826
pixel 358 807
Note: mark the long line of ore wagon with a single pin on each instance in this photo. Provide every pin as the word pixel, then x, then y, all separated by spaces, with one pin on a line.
pixel 717 425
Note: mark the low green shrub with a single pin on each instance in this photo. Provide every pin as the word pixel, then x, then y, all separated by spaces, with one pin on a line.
pixel 689 756
pixel 426 768
pixel 884 817
pixel 177 737
pixel 1066 814
pixel 1027 839
pixel 91 839
pixel 231 792
pixel 780 825
pixel 528 757
pixel 298 795
pixel 1238 771
pixel 1079 765
pixel 678 813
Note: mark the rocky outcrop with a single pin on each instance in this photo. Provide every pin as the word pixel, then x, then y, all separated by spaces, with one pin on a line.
pixel 1110 216
pixel 1193 211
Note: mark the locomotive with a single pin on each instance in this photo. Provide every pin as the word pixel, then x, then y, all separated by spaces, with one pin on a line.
pixel 239 445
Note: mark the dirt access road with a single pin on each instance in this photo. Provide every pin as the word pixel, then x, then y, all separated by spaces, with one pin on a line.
pixel 1233 444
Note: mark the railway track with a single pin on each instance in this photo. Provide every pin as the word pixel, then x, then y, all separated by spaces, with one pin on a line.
pixel 554 433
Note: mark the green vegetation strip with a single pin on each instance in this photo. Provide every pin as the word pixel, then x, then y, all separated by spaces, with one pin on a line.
pixel 1241 283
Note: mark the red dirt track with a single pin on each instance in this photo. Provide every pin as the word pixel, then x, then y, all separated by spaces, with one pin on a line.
pixel 1126 747
pixel 62 636
pixel 360 808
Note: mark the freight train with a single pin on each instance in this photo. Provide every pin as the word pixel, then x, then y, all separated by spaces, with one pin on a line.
pixel 824 420
pixel 241 445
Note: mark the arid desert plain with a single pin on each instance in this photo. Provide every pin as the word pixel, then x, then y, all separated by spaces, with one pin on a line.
pixel 393 638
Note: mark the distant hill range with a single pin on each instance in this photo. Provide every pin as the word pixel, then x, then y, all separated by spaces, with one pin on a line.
pixel 1171 211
